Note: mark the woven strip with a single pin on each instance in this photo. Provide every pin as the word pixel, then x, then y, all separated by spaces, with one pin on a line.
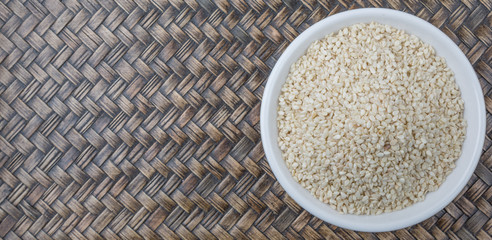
pixel 129 120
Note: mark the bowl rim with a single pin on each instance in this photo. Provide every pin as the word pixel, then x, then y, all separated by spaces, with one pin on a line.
pixel 269 143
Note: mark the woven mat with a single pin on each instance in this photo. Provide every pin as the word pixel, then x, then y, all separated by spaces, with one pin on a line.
pixel 141 120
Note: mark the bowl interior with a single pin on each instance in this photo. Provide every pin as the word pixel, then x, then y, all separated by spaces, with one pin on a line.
pixel 474 115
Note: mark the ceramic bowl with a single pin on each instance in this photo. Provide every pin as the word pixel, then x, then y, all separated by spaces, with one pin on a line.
pixel 474 115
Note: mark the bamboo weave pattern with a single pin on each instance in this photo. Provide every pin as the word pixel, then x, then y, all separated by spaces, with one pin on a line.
pixel 131 120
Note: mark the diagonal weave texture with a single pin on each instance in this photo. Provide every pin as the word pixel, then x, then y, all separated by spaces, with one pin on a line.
pixel 141 120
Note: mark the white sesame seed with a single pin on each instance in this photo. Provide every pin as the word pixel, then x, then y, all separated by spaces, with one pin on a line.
pixel 395 103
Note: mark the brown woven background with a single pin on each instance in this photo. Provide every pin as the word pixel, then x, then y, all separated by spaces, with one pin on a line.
pixel 141 120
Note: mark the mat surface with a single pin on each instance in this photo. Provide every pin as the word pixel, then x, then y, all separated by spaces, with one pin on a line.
pixel 141 120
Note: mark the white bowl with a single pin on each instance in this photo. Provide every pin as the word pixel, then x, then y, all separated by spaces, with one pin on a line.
pixel 474 115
